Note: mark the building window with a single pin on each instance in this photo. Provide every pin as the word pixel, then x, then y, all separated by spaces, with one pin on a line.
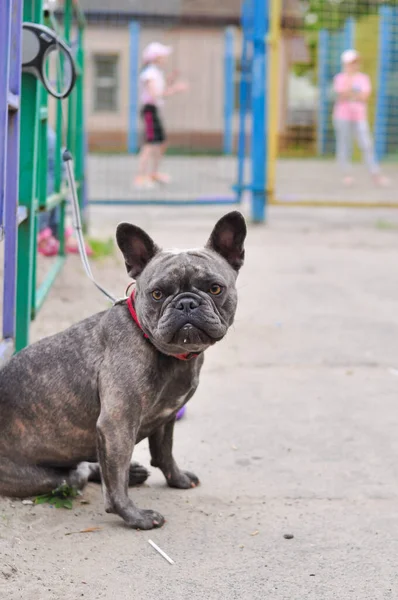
pixel 106 83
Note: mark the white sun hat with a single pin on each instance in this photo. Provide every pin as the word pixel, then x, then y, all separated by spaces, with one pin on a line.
pixel 349 56
pixel 155 50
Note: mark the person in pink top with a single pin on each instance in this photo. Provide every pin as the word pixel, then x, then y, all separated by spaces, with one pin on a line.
pixel 154 88
pixel 350 119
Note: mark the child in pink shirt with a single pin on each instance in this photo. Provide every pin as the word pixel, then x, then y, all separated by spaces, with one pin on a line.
pixel 154 88
pixel 353 89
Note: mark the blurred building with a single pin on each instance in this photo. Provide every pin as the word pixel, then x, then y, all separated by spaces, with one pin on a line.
pixel 195 29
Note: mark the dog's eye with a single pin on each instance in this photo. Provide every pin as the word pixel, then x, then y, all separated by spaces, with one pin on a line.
pixel 215 289
pixel 157 295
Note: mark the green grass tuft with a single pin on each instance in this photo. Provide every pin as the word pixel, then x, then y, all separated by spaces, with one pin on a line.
pixel 61 497
pixel 102 248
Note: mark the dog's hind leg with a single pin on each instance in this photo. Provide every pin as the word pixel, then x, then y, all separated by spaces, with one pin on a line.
pixel 161 449
pixel 137 473
pixel 20 481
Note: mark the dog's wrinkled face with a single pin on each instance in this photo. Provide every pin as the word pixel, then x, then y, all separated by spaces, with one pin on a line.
pixel 185 299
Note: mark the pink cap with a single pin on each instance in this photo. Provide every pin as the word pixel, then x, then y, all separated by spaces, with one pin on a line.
pixel 349 56
pixel 155 50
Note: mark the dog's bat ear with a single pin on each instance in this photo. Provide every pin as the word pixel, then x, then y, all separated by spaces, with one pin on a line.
pixel 137 247
pixel 227 239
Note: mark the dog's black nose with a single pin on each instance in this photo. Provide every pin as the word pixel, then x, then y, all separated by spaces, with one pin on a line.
pixel 187 305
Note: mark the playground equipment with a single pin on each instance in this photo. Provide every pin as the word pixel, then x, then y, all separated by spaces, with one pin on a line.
pixel 253 92
pixel 386 123
pixel 331 45
pixel 279 92
pixel 209 60
pixel 272 131
pixel 301 101
pixel 24 121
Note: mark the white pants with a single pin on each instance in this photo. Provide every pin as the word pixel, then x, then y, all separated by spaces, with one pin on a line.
pixel 346 132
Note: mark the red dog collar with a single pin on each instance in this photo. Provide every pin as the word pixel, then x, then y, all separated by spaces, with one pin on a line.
pixel 130 304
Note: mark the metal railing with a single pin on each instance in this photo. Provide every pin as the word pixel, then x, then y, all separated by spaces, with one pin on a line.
pixel 24 122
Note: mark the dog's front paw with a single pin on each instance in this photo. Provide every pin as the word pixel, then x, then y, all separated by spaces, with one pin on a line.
pixel 144 519
pixel 182 480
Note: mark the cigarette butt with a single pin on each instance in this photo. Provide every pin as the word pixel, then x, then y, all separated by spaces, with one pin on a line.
pixel 169 560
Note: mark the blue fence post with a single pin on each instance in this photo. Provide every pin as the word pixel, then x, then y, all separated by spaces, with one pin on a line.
pixel 242 121
pixel 348 34
pixel 134 70
pixel 345 40
pixel 244 93
pixel 259 111
pixel 392 90
pixel 323 82
pixel 385 50
pixel 229 88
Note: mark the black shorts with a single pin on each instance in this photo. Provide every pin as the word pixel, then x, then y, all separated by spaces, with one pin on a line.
pixel 153 127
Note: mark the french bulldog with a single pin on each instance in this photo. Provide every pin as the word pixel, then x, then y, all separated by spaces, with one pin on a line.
pixel 73 405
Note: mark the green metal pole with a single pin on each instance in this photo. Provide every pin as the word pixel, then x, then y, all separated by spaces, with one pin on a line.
pixel 27 190
pixel 71 100
pixel 79 133
pixel 59 144
pixel 42 164
pixel 58 126
pixel 68 16
pixel 35 218
pixel 58 176
pixel 33 173
pixel 41 182
pixel 68 20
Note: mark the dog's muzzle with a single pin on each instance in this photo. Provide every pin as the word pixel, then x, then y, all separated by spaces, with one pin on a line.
pixel 189 319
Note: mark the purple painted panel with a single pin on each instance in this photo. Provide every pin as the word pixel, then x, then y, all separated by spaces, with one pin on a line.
pixel 5 14
pixel 14 81
pixel 11 228
pixel 12 170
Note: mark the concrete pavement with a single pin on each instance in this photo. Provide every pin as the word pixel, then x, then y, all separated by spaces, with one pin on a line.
pixel 293 431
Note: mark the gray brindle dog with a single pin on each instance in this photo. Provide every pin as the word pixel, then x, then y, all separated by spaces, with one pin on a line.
pixel 73 405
